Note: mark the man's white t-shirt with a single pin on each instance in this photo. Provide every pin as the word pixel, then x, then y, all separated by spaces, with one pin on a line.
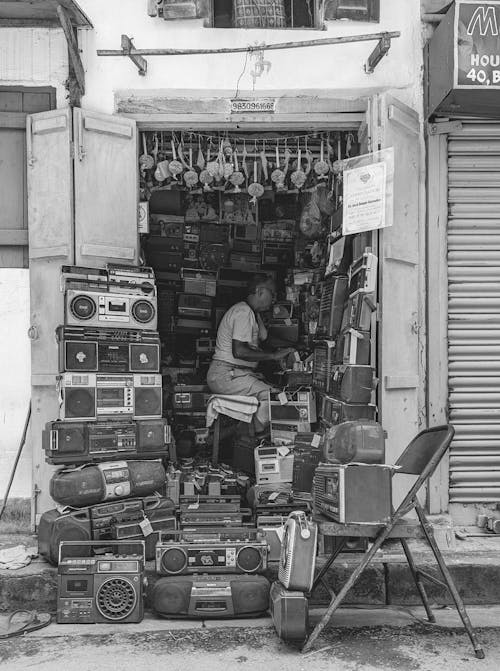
pixel 239 323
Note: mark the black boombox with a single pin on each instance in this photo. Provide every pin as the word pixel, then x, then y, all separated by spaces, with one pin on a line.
pixel 102 589
pixel 84 442
pixel 108 350
pixel 235 550
pixel 334 411
pixel 331 307
pixel 96 522
pixel 292 406
pixel 94 483
pixel 89 396
pixel 215 596
pixel 194 305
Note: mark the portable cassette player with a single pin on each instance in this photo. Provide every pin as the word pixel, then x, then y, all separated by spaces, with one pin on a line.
pixel 108 350
pixel 103 589
pixel 93 308
pixel 88 396
pixel 84 442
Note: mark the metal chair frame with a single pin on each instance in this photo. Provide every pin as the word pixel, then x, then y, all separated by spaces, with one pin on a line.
pixel 421 457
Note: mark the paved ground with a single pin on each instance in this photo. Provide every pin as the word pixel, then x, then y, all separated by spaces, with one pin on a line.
pixel 370 640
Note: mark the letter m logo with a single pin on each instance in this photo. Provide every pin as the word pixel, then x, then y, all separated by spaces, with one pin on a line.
pixel 485 19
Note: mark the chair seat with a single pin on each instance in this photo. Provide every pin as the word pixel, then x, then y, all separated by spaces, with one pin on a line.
pixel 404 528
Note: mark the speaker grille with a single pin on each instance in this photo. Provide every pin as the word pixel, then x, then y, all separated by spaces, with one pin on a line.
pixel 174 561
pixel 143 311
pixel 116 598
pixel 249 559
pixel 144 358
pixel 250 596
pixel 171 598
pixel 70 439
pixel 81 356
pixel 147 402
pixel 83 307
pixel 79 402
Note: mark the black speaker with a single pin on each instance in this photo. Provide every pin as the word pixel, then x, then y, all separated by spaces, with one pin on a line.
pixel 79 402
pixel 54 528
pixel 147 401
pixel 80 355
pixel 144 358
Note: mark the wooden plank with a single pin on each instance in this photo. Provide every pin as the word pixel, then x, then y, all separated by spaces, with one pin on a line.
pixel 40 12
pixel 73 51
pixel 13 120
pixel 13 237
pixel 404 529
pixel 13 189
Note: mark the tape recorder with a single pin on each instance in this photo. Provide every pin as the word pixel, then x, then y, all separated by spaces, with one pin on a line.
pixel 88 396
pixel 102 589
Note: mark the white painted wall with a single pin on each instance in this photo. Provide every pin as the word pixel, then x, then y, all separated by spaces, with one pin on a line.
pixel 338 67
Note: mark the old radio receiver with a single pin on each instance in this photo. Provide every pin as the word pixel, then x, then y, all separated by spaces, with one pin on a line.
pixel 353 384
pixel 292 406
pixel 331 307
pixel 103 589
pixel 193 305
pixel 88 396
pixel 199 281
pixel 273 464
pixel 334 411
pixel 298 553
pixel 361 440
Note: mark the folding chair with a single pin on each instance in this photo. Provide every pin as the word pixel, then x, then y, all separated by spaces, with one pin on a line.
pixel 420 458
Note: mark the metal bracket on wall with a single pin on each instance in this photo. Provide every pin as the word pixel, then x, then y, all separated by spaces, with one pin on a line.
pixel 383 46
pixel 440 127
pixel 139 61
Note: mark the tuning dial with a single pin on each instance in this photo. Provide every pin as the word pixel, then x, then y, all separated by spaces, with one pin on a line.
pixel 119 490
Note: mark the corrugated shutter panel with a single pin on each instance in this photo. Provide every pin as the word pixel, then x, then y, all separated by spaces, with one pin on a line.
pixel 474 311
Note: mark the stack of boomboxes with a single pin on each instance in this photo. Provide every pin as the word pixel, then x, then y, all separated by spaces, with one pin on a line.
pixel 110 438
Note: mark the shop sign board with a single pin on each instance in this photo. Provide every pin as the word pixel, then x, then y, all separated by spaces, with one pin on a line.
pixel 244 105
pixel 477 44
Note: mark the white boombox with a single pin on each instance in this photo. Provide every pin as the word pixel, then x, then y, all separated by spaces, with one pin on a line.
pixel 92 396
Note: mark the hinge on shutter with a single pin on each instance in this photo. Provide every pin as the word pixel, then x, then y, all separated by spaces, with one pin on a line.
pixel 440 127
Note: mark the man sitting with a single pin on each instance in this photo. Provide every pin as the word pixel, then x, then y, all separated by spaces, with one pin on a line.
pixel 238 349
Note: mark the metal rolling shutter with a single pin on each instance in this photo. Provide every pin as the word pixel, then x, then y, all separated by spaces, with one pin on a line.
pixel 474 311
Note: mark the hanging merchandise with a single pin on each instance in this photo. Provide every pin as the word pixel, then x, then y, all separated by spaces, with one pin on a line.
pixel 236 178
pixel 175 166
pixel 277 175
pixel 321 167
pixel 310 219
pixel 256 190
pixel 191 176
pixel 298 177
pixel 145 160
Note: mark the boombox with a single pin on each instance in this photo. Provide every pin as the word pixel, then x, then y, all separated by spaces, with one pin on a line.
pixel 217 596
pixel 358 312
pixel 177 554
pixel 353 347
pixel 362 441
pixel 210 503
pixel 298 553
pixel 190 397
pixel 353 493
pixel 193 327
pixel 333 297
pixel 147 530
pixel 273 464
pixel 205 345
pixel 200 519
pixel 94 483
pixel 211 232
pixel 197 281
pixel 289 612
pixel 108 350
pixel 166 262
pixel 157 247
pixel 169 226
pixel 192 305
pixel 84 442
pixel 96 522
pixel 334 411
pixel 212 255
pixel 278 254
pixel 114 310
pixel 353 384
pixel 191 252
pixel 104 589
pixel 93 395
pixel 363 275
pixel 292 406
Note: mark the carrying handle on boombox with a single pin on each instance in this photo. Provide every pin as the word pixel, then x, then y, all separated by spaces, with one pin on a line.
pixel 110 543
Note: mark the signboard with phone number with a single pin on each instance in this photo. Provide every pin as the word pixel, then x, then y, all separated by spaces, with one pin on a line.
pixel 477 44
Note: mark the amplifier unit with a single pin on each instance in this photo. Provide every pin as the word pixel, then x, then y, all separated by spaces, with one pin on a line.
pixel 363 275
pixel 199 281
pixel 215 596
pixel 273 464
pixel 333 297
pixel 362 441
pixel 353 347
pixel 84 442
pixel 213 255
pixel 190 397
pixel 192 305
pixel 194 327
pixel 210 232
pixel 358 312
pixel 113 310
pixel 176 555
pixel 298 553
pixel 245 261
pixel 290 613
pixel 104 589
pixel 278 254
pixel 353 384
pixel 334 411
pixel 90 484
pixel 95 522
pixel 353 493
pixel 87 396
pixel 292 406
pixel 108 350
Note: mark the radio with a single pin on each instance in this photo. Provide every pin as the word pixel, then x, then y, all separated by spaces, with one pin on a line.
pixel 358 312
pixel 115 310
pixel 353 347
pixel 334 411
pixel 166 226
pixel 245 232
pixel 363 275
pixel 202 282
pixel 209 503
pixel 245 261
pixel 193 326
pixel 192 305
pixel 353 384
pixel 361 243
pixel 190 397
pixel 80 443
pixel 292 406
pixel 211 597
pixel 92 395
pixel 175 555
pixel 333 297
pixel 323 364
pixel 289 612
pixel 191 232
pixel 278 254
pixel 95 522
pixel 146 530
pixel 210 232
pixel 305 460
pixel 205 345
pixel 362 441
pixel 273 464
pixel 285 434
pixel 104 589
pixel 247 246
pixel 191 251
pixel 212 255
pixel 90 484
pixel 298 553
pixel 353 493
pixel 107 350
pixel 281 231
pixel 199 518
pixel 124 278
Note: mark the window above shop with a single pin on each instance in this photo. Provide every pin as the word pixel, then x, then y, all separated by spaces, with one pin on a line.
pixel 266 13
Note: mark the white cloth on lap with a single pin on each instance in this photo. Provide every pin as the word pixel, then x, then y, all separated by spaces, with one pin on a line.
pixel 241 408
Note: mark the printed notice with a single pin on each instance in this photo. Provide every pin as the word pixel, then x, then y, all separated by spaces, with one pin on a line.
pixel 364 198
